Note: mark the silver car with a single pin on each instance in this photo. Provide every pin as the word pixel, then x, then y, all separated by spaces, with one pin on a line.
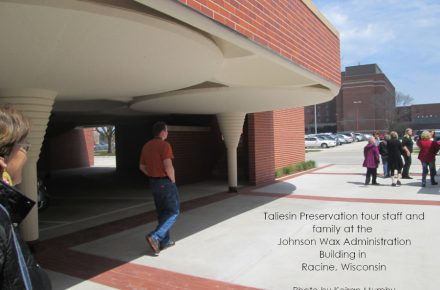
pixel 313 141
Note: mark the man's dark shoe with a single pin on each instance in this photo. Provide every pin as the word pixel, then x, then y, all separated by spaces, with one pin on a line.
pixel 434 182
pixel 375 183
pixel 168 245
pixel 393 184
pixel 398 182
pixel 153 244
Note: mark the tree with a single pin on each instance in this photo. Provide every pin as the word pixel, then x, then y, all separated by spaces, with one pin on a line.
pixel 401 118
pixel 403 99
pixel 109 133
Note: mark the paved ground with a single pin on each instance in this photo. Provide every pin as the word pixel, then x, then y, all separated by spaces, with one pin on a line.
pixel 94 239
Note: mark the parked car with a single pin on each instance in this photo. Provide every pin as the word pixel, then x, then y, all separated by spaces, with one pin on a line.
pixel 340 139
pixel 347 137
pixel 329 137
pixel 313 141
pixel 367 136
pixel 360 137
pixel 350 135
pixel 100 147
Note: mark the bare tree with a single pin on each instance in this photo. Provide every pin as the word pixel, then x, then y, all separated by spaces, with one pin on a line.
pixel 401 116
pixel 403 99
pixel 109 133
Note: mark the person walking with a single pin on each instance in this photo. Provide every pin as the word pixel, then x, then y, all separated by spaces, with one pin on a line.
pixel 18 267
pixel 407 145
pixel 156 163
pixel 428 150
pixel 371 161
pixel 395 151
pixel 383 151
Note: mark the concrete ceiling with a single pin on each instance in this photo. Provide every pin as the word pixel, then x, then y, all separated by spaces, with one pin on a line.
pixel 85 50
pixel 121 56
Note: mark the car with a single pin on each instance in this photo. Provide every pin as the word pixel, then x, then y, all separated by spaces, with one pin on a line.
pixel 329 137
pixel 360 137
pixel 367 136
pixel 313 141
pixel 100 147
pixel 345 138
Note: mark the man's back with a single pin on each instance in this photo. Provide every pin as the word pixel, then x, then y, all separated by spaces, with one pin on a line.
pixel 153 154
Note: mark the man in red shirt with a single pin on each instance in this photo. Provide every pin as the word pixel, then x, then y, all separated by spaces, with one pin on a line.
pixel 156 163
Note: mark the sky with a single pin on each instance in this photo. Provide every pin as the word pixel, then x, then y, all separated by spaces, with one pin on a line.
pixel 401 36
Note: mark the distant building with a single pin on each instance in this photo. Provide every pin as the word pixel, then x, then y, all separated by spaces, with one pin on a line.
pixel 423 116
pixel 325 117
pixel 365 103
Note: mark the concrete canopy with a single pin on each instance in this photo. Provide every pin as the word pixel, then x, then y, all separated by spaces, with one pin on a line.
pixel 145 60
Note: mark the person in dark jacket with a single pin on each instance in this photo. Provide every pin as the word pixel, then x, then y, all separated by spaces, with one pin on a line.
pixel 371 161
pixel 407 145
pixel 383 151
pixel 18 268
pixel 428 150
pixel 395 152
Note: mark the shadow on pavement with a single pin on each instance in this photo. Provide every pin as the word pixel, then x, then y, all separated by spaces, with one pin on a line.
pixel 94 186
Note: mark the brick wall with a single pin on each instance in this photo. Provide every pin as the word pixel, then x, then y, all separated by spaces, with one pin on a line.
pixel 72 149
pixel 287 27
pixel 90 145
pixel 276 139
pixel 288 136
pixel 196 154
pixel 261 147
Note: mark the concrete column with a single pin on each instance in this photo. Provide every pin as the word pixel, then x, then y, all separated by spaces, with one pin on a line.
pixel 231 125
pixel 37 105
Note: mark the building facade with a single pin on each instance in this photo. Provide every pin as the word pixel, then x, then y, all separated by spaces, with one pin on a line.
pixel 365 103
pixel 420 116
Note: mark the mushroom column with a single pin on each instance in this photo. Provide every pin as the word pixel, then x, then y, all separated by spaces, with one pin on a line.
pixel 231 125
pixel 36 105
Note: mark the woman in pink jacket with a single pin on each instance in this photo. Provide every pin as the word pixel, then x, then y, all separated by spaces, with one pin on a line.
pixel 371 161
pixel 428 150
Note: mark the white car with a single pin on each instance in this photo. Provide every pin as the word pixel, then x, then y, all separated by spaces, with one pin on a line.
pixel 313 141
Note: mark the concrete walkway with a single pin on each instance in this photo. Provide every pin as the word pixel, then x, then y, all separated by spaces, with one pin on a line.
pixel 266 237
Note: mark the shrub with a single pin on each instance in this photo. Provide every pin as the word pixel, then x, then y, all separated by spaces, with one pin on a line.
pixel 293 168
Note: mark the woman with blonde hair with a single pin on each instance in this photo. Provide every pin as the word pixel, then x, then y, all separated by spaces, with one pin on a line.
pixel 428 150
pixel 18 268
pixel 395 152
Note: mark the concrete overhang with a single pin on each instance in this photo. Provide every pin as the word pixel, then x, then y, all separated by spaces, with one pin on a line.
pixel 152 56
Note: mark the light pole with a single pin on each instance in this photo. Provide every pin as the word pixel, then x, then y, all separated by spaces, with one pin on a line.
pixel 316 129
pixel 357 113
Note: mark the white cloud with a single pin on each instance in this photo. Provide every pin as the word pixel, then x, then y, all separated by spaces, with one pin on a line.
pixel 400 36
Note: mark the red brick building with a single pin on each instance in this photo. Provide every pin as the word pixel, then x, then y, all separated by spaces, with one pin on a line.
pixel 421 116
pixel 365 103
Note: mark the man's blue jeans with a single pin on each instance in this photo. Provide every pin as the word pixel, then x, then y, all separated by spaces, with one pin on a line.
pixel 166 199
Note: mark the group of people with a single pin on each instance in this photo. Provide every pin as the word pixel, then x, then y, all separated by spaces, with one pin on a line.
pixel 391 150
